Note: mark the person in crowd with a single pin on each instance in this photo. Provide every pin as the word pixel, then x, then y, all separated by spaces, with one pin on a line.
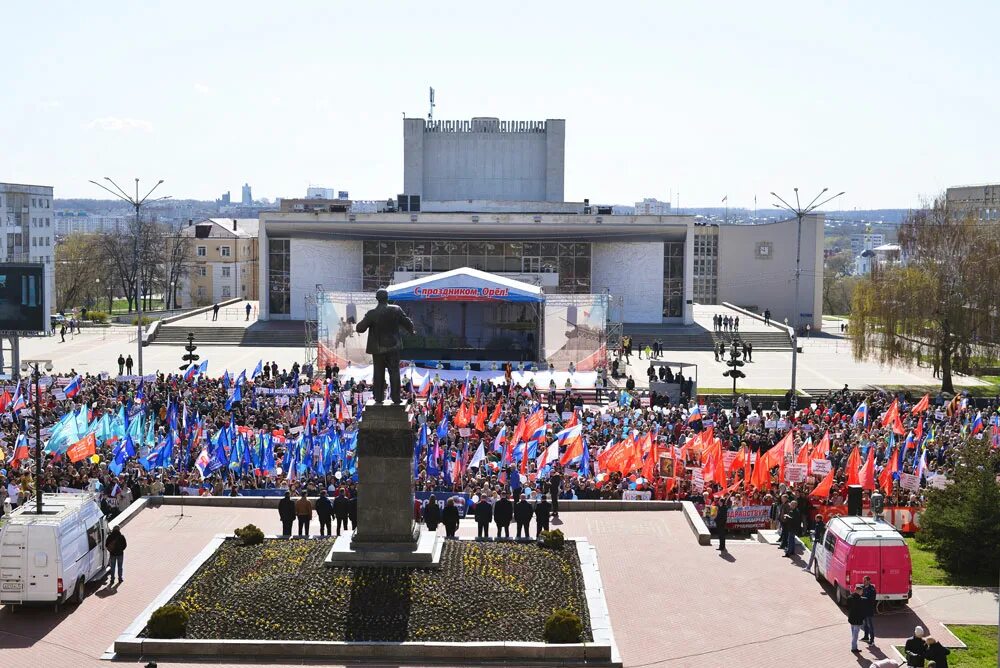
pixel 915 648
pixel 352 510
pixel 856 608
pixel 722 507
pixel 286 513
pixel 792 523
pixel 128 365
pixel 324 513
pixel 818 533
pixel 115 544
pixel 869 594
pixel 484 515
pixel 304 511
pixel 542 509
pixel 503 513
pixel 936 654
pixel 215 312
pixel 432 513
pixel 522 516
pixel 451 518
pixel 555 489
pixel 121 364
pixel 341 510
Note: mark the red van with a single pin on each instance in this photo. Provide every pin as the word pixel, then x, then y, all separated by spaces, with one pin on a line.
pixel 854 547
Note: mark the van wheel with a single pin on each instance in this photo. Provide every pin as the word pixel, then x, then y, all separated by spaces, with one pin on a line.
pixel 839 595
pixel 819 578
pixel 80 592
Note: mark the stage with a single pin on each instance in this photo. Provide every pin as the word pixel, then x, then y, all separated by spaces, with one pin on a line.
pixel 470 315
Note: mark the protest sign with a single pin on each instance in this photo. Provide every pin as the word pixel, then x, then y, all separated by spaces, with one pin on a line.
pixel 820 467
pixel 795 472
pixel 637 495
pixel 910 482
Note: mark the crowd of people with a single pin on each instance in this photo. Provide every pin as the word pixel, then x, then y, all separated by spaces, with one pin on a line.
pixel 287 430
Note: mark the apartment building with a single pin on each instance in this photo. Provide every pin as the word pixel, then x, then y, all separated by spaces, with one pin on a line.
pixel 27 231
pixel 222 261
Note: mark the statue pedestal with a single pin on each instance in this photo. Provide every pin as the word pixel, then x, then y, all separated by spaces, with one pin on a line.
pixel 386 533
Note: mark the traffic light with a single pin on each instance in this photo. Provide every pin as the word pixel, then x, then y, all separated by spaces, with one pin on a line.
pixel 190 358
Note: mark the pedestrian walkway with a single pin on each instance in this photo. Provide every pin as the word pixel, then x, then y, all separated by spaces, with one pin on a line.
pixel 233 315
pixel 959 605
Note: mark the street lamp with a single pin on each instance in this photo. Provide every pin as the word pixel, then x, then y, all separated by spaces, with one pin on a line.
pixel 799 212
pixel 137 203
pixel 36 374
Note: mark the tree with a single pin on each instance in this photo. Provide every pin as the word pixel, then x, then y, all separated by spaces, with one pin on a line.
pixel 77 271
pixel 838 284
pixel 961 523
pixel 942 302
pixel 176 266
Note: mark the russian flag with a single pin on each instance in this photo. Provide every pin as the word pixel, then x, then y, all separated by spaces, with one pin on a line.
pixel 695 414
pixel 424 388
pixel 861 414
pixel 191 373
pixel 18 402
pixel 977 423
pixel 572 440
pixel 500 439
pixel 73 388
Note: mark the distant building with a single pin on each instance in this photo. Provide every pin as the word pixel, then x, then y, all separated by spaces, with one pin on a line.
pixel 225 200
pixel 80 222
pixel 27 233
pixel 315 192
pixel 650 206
pixel 982 202
pixel 314 204
pixel 223 261
pixel 880 256
pixel 247 198
pixel 866 241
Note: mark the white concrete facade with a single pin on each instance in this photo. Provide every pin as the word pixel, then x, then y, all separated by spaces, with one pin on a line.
pixel 333 263
pixel 635 272
pixel 28 230
pixel 484 159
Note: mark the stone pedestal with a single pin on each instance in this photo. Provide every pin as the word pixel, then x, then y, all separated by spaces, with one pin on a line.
pixel 386 533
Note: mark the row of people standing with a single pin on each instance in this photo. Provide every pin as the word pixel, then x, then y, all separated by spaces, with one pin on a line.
pixel 726 323
pixel 341 507
pixel 504 510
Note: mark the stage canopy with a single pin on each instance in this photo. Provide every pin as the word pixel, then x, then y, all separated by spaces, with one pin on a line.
pixel 465 285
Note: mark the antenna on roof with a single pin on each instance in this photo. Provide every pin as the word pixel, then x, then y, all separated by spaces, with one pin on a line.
pixel 430 114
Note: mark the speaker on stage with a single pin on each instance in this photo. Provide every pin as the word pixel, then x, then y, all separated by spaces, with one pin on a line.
pixel 854 500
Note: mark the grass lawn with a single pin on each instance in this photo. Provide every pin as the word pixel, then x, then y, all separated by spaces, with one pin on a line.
pixel 926 570
pixel 807 541
pixel 981 643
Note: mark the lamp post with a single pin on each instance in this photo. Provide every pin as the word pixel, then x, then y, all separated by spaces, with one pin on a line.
pixel 799 212
pixel 136 203
pixel 34 366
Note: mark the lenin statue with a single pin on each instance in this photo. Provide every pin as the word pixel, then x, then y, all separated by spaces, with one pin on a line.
pixel 384 343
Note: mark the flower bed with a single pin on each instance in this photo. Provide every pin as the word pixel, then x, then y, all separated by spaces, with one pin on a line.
pixel 281 590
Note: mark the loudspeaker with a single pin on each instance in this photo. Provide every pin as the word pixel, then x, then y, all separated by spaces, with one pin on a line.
pixel 475 366
pixel 854 500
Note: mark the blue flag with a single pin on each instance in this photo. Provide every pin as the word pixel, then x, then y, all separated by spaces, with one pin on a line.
pixel 257 370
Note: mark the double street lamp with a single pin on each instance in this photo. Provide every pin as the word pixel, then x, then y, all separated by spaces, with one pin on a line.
pixel 36 366
pixel 799 212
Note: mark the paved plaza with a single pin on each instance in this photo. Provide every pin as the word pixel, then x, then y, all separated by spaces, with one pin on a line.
pixel 672 602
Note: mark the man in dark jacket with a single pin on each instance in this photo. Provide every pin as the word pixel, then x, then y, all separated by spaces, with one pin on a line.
pixel 352 509
pixel 115 544
pixel 541 516
pixel 324 511
pixel 503 513
pixel 341 510
pixel 915 647
pixel 484 515
pixel 286 513
pixel 522 516
pixel 856 607
pixel 555 488
pixel 450 518
pixel 868 593
pixel 791 522
pixel 721 517
pixel 432 513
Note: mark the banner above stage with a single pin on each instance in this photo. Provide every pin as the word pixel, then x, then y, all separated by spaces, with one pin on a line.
pixel 465 285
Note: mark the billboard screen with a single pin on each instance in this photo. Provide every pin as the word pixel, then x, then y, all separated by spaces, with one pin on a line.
pixel 22 298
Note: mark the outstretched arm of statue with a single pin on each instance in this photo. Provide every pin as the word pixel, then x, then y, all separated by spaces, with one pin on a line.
pixel 363 325
pixel 408 324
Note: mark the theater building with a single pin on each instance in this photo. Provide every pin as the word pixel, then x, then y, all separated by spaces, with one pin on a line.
pixel 487 195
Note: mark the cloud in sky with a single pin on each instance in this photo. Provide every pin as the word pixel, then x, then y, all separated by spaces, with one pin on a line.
pixel 117 124
pixel 203 89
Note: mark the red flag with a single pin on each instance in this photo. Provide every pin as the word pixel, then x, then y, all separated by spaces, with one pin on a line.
pixel 823 488
pixel 651 464
pixel 918 433
pixel 892 414
pixel 496 413
pixel 85 447
pixel 867 472
pixel 885 477
pixel 823 449
pixel 481 419
pixel 921 405
pixel 853 464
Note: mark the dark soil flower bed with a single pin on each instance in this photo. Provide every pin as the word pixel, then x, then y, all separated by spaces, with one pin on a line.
pixel 280 590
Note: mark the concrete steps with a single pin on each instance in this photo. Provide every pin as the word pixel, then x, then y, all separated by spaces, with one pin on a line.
pixel 774 340
pixel 262 335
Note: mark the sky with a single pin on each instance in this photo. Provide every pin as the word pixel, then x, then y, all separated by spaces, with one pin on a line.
pixel 891 102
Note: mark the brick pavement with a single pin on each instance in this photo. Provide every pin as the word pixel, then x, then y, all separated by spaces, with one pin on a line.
pixel 672 603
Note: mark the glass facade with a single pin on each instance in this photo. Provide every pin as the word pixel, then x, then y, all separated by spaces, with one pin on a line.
pixel 571 260
pixel 278 275
pixel 706 266
pixel 673 279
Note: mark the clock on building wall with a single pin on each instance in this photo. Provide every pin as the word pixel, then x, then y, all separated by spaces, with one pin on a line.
pixel 764 249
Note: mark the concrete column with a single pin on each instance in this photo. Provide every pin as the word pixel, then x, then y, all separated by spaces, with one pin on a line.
pixel 687 308
pixel 264 310
pixel 555 159
pixel 413 156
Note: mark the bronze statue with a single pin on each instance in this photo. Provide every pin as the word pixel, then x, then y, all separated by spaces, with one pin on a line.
pixel 384 343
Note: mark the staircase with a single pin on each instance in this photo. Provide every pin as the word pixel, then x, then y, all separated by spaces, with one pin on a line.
pixel 776 340
pixel 287 334
pixel 673 337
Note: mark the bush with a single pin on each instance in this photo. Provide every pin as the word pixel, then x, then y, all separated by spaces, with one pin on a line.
pixel 563 626
pixel 553 540
pixel 100 317
pixel 168 621
pixel 145 321
pixel 961 523
pixel 250 535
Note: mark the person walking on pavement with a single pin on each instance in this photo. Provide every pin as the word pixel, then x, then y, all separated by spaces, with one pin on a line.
pixel 819 532
pixel 868 593
pixel 856 616
pixel 286 513
pixel 215 312
pixel 128 365
pixel 792 522
pixel 767 317
pixel 248 309
pixel 115 544
pixel 721 517
pixel 121 365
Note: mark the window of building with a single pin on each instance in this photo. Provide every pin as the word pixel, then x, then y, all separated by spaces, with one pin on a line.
pixel 202 251
pixel 225 272
pixel 224 251
pixel 201 290
pixel 279 270
pixel 673 279
pixel 203 271
pixel 226 292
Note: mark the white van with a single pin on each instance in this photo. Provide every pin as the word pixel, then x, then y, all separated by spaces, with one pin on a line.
pixel 49 558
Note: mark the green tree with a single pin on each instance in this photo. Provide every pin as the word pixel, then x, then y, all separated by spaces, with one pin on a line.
pixel 940 302
pixel 961 523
